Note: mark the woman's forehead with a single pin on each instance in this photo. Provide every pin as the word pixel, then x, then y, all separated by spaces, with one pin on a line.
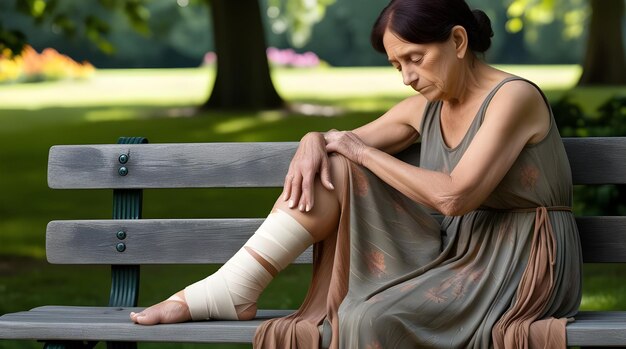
pixel 397 46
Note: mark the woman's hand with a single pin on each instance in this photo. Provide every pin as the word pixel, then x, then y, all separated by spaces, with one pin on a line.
pixel 310 159
pixel 347 144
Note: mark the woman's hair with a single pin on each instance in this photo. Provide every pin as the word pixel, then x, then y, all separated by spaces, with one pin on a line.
pixel 428 21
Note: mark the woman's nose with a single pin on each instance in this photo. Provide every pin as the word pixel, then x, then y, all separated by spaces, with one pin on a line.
pixel 409 76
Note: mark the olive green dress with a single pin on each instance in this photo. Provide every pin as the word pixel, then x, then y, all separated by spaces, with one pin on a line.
pixel 506 275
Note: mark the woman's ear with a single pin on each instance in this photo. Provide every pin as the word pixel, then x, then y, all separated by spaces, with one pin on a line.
pixel 460 40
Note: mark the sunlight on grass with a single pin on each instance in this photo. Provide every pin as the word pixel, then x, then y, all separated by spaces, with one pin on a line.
pixel 111 114
pixel 242 124
pixel 547 76
pixel 150 87
pixel 191 86
pixel 599 301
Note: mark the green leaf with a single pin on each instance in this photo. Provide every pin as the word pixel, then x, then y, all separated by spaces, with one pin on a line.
pixel 65 24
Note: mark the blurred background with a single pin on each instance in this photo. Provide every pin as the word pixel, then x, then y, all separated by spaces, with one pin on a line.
pixel 81 72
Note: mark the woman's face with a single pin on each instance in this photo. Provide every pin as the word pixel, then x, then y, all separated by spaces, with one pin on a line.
pixel 430 69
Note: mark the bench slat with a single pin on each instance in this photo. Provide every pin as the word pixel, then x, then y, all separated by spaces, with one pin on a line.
pixel 186 241
pixel 103 323
pixel 594 161
pixel 169 165
pixel 597 160
pixel 603 239
pixel 150 241
pixel 597 328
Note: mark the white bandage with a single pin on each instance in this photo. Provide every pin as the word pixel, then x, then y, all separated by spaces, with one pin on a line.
pixel 279 240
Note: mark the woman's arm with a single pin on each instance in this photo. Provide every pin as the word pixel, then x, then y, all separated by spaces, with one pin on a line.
pixel 516 116
pixel 396 129
pixel 392 132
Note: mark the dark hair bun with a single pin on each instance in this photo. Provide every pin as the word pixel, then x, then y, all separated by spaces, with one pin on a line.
pixel 483 32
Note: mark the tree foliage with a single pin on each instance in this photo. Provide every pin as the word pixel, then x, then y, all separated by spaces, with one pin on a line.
pixel 531 15
pixel 296 17
pixel 604 61
pixel 72 18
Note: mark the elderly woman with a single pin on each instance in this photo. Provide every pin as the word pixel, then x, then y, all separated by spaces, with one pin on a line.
pixel 503 267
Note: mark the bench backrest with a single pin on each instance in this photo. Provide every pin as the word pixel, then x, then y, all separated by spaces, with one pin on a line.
pixel 219 165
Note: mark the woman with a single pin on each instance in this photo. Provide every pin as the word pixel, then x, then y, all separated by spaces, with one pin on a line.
pixel 501 270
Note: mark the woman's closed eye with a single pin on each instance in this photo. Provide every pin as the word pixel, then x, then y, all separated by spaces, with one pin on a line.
pixel 417 60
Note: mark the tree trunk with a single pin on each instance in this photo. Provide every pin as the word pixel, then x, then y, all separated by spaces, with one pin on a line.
pixel 243 79
pixel 604 59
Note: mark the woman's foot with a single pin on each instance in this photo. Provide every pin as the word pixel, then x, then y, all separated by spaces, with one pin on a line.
pixel 171 310
pixel 175 309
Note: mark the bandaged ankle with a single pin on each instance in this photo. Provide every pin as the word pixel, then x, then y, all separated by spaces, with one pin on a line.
pixel 280 239
pixel 240 281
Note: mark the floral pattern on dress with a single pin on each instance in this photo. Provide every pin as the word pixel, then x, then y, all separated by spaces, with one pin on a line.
pixel 529 177
pixel 435 295
pixel 375 260
pixel 374 345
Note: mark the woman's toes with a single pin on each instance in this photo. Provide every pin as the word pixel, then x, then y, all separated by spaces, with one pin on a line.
pixel 149 316
pixel 166 312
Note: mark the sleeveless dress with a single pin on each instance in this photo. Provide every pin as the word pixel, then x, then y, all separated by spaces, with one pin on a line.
pixel 506 275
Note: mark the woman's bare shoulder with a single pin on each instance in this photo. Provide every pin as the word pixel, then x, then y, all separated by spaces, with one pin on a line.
pixel 520 102
pixel 518 96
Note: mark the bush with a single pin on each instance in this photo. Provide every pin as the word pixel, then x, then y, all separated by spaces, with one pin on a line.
pixel 31 66
pixel 609 122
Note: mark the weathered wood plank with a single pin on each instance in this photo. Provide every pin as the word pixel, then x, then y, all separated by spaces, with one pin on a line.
pixel 103 323
pixel 603 238
pixel 597 160
pixel 150 241
pixel 200 241
pixel 593 160
pixel 169 165
pixel 601 328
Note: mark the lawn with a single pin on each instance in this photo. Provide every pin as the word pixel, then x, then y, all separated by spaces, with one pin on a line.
pixel 160 105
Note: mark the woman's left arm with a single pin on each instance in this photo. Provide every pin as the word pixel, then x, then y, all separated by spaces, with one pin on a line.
pixel 516 116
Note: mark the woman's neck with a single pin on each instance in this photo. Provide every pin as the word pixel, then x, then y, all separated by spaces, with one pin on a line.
pixel 472 79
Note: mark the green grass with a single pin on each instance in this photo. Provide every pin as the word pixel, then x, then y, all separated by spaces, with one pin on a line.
pixel 158 104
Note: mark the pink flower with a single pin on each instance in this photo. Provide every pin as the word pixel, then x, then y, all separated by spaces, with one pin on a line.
pixel 209 58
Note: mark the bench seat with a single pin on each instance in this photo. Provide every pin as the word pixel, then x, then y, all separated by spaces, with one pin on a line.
pixel 112 324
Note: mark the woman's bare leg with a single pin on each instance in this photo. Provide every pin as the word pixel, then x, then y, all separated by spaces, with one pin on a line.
pixel 320 222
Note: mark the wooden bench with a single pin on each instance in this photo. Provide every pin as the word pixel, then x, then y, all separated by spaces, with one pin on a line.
pixel 127 241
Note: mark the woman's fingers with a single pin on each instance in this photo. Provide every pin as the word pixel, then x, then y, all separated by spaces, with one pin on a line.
pixel 310 160
pixel 347 144
pixel 296 190
pixel 287 187
pixel 306 200
pixel 325 175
